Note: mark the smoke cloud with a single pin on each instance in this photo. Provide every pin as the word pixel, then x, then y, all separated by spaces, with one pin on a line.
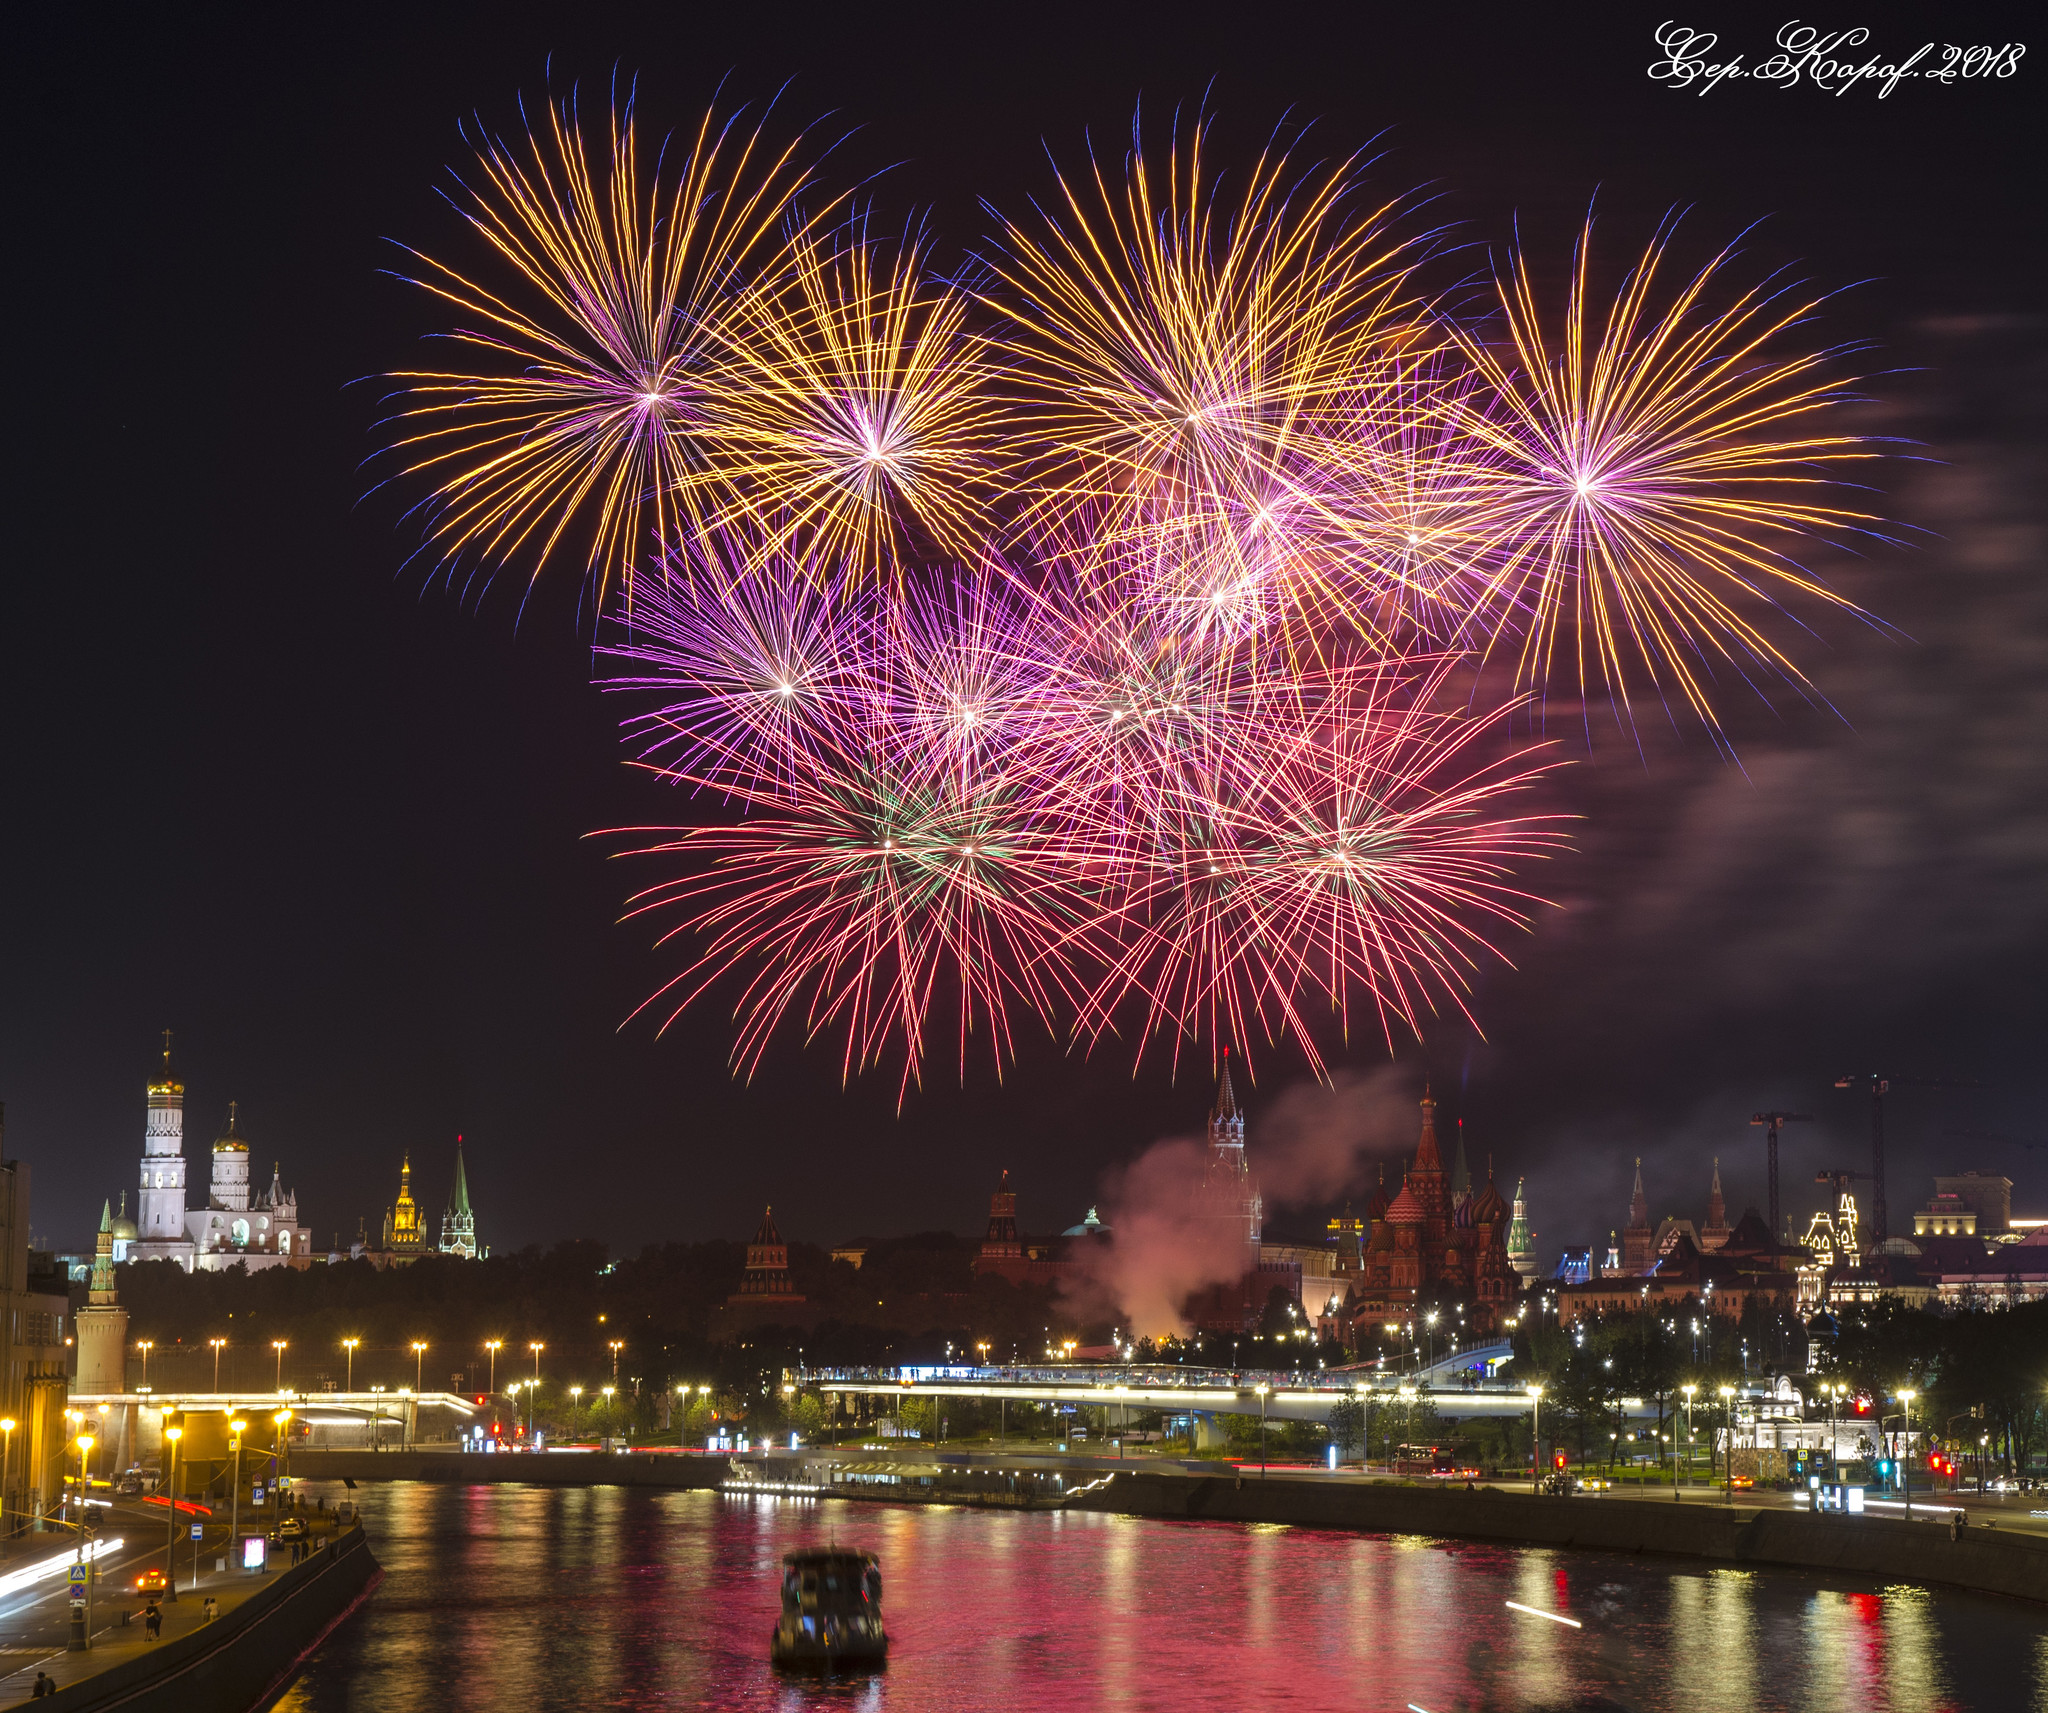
pixel 1310 1147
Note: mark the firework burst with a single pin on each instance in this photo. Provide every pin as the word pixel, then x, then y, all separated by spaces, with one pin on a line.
pixel 576 419
pixel 1652 467
pixel 1129 648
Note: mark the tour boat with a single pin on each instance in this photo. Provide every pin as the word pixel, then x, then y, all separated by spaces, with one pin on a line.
pixel 831 1609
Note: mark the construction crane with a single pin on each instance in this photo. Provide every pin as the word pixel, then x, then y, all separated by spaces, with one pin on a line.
pixel 1880 1086
pixel 1771 1121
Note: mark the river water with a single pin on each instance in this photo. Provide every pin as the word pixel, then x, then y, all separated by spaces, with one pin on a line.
pixel 517 1599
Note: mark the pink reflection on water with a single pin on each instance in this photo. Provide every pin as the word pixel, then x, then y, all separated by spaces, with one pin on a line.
pixel 608 1597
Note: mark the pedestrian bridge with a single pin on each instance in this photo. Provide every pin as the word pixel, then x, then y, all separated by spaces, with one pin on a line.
pixel 1279 1396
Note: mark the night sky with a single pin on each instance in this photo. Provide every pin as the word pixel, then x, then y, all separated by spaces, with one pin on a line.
pixel 266 784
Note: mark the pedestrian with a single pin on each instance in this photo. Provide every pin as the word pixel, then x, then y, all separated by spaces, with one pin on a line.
pixel 45 1685
pixel 153 1621
pixel 210 1611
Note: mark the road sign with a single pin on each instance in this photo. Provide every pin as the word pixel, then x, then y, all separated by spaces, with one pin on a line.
pixel 79 1572
pixel 198 1530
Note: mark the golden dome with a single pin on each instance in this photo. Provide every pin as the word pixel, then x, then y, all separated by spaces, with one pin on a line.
pixel 230 1141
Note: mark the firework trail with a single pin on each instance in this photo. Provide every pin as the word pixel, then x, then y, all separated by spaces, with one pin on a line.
pixel 1129 646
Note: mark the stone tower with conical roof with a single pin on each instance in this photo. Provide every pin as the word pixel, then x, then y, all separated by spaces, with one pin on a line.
pixel 1461 1174
pixel 1638 1241
pixel 1521 1237
pixel 1228 1191
pixel 103 1324
pixel 1715 1232
pixel 458 1222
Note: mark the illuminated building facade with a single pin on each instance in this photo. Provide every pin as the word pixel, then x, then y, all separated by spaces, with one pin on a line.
pixel 236 1227
pixel 405 1237
pixel 1424 1246
pixel 458 1222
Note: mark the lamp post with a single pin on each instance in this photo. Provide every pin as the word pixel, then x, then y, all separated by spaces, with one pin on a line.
pixel 617 1345
pixel 280 1448
pixel 1728 1453
pixel 494 1345
pixel 1430 1321
pixel 173 1434
pixel 6 1465
pixel 575 1399
pixel 1536 1439
pixel 81 1610
pixel 1906 1452
pixel 278 1345
pixel 236 1428
pixel 218 1344
pixel 145 1345
pixel 1688 1391
pixel 1263 1389
pixel 348 1346
pixel 419 1360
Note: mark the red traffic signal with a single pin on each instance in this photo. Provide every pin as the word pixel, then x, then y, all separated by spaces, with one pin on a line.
pixel 1558 1461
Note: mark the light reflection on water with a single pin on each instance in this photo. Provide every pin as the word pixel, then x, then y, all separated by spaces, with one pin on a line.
pixel 524 1598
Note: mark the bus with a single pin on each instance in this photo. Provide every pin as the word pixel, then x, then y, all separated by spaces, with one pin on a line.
pixel 1435 1462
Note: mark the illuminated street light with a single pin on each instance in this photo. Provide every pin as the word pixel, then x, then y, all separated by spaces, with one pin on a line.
pixel 278 1345
pixel 145 1345
pixel 218 1344
pixel 494 1345
pixel 1728 1456
pixel 419 1358
pixel 349 1345
pixel 1906 1451
pixel 1536 1439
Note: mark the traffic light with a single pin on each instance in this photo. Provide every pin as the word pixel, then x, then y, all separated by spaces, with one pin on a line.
pixel 1558 1461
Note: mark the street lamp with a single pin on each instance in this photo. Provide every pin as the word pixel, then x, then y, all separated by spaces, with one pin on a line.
pixel 1688 1391
pixel 575 1398
pixel 81 1612
pixel 617 1345
pixel 278 1345
pixel 280 1446
pixel 6 1464
pixel 218 1344
pixel 1536 1439
pixel 419 1358
pixel 173 1434
pixel 236 1429
pixel 145 1345
pixel 1262 1390
pixel 349 1345
pixel 1728 1453
pixel 494 1345
pixel 1906 1451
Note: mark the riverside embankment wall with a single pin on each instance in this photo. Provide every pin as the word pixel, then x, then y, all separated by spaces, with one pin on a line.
pixel 247 1653
pixel 1987 1560
pixel 552 1469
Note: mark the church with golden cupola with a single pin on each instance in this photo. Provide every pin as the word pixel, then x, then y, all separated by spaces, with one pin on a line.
pixel 237 1226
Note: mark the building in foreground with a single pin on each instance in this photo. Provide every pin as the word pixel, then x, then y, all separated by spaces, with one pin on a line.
pixel 35 1335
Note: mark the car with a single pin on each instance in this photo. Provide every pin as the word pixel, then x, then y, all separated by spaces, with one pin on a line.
pixel 1742 1481
pixel 1593 1484
pixel 291 1529
pixel 152 1581
pixel 129 1484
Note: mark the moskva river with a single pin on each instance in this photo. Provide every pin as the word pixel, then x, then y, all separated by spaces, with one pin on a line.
pixel 519 1599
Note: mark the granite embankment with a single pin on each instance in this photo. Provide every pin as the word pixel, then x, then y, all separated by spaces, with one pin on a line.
pixel 241 1659
pixel 1984 1559
pixel 551 1469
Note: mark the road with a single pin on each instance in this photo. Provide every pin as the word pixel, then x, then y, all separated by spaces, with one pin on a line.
pixel 36 1620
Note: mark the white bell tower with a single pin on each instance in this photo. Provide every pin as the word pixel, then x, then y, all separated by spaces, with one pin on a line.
pixel 160 1208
